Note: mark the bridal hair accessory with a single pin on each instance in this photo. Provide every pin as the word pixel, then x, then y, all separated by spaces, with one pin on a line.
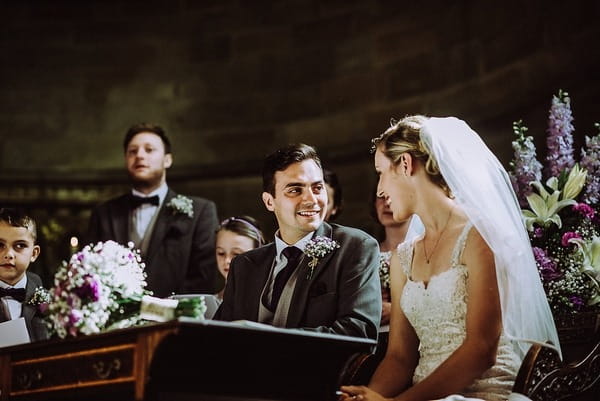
pixel 182 204
pixel 316 248
pixel 482 189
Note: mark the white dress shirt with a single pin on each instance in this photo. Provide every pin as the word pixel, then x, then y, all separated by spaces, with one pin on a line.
pixel 143 214
pixel 13 306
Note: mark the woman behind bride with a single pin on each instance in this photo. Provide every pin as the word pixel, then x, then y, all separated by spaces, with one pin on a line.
pixel 467 300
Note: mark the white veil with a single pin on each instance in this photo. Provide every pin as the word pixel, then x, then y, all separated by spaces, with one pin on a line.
pixel 481 186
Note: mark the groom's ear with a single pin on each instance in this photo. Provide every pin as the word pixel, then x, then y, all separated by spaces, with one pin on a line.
pixel 268 201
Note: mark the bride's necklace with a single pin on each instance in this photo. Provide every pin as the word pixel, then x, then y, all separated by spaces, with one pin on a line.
pixel 428 257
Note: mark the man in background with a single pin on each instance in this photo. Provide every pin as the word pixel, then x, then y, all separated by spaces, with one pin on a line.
pixel 175 233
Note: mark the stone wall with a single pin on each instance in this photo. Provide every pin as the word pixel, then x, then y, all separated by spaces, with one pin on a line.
pixel 232 80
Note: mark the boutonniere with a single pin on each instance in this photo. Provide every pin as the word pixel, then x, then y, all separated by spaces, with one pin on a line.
pixel 316 249
pixel 181 204
pixel 40 298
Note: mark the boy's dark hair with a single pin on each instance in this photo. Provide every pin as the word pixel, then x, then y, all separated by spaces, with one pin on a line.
pixel 331 179
pixel 282 158
pixel 18 217
pixel 146 127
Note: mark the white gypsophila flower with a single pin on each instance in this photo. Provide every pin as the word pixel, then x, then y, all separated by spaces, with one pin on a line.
pixel 317 248
pixel 182 204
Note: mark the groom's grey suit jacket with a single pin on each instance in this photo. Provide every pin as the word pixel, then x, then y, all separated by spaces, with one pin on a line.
pixel 343 296
pixel 181 254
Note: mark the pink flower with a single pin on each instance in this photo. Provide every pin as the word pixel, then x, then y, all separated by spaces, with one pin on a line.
pixel 585 210
pixel 566 238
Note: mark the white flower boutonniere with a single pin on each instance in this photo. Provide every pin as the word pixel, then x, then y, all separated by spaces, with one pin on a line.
pixel 316 249
pixel 40 296
pixel 182 204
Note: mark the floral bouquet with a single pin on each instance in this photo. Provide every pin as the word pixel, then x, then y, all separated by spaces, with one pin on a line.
pixel 384 270
pixel 560 205
pixel 101 288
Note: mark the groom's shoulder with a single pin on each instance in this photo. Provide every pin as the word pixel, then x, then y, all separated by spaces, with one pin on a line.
pixel 351 233
pixel 257 254
pixel 196 200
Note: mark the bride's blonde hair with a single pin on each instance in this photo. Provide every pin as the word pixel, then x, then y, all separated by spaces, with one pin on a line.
pixel 405 136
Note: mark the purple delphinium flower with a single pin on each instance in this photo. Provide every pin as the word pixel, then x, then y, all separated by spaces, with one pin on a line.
pixel 564 241
pixel 590 160
pixel 525 168
pixel 547 267
pixel 560 135
pixel 585 210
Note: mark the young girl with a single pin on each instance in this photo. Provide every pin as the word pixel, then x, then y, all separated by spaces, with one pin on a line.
pixel 235 235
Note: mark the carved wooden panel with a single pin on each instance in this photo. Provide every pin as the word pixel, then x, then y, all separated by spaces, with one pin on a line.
pixel 105 366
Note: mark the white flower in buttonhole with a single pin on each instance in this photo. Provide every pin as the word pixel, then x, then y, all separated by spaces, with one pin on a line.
pixel 317 248
pixel 182 204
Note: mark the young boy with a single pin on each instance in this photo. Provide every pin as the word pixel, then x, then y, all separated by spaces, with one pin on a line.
pixel 17 250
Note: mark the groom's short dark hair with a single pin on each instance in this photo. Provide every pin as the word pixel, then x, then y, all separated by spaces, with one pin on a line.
pixel 282 158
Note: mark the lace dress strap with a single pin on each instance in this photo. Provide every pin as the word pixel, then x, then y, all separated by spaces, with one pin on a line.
pixel 405 252
pixel 461 241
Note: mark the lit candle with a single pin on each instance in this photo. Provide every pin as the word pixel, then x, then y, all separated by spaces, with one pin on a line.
pixel 74 244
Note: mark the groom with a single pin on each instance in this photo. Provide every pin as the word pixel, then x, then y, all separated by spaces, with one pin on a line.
pixel 175 233
pixel 334 290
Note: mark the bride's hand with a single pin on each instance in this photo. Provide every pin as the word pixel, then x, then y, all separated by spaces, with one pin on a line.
pixel 359 393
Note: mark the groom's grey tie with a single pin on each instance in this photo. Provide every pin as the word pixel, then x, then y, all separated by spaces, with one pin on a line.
pixel 292 255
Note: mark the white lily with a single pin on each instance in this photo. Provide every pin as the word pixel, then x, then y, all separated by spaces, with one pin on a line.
pixel 545 206
pixel 590 251
pixel 575 182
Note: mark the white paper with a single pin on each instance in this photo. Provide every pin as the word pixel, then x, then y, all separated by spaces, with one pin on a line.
pixel 13 332
pixel 158 309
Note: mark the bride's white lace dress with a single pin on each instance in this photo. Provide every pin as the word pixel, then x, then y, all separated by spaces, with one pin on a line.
pixel 438 312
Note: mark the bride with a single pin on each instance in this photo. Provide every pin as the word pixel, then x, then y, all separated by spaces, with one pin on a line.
pixel 467 300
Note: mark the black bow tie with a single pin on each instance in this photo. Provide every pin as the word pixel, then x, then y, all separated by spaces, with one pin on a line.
pixel 16 293
pixel 136 201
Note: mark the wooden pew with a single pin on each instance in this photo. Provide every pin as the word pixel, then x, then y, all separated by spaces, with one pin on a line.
pixel 181 360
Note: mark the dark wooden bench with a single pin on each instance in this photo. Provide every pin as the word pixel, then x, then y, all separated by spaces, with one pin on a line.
pixel 544 377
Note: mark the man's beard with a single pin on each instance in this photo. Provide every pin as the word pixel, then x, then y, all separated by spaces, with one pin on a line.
pixel 146 183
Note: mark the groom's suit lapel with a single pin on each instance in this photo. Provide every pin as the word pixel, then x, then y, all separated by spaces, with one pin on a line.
pixel 257 278
pixel 161 227
pixel 120 220
pixel 28 311
pixel 304 283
